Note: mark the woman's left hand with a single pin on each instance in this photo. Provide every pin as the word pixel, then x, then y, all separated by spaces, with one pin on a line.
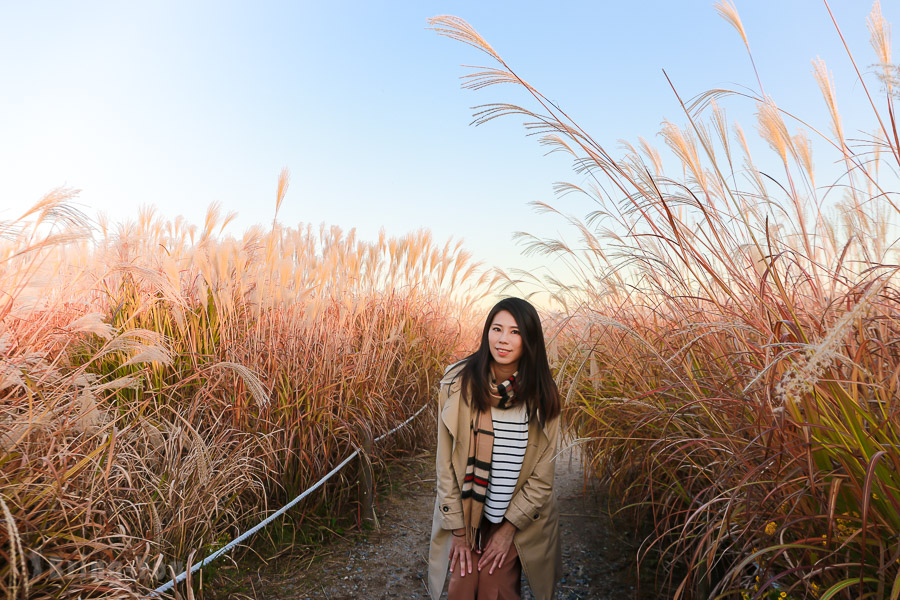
pixel 498 547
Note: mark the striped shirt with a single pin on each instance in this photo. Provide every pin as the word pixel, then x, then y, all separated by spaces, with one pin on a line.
pixel 510 440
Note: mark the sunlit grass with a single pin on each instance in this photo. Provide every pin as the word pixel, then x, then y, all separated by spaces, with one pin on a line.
pixel 730 340
pixel 163 385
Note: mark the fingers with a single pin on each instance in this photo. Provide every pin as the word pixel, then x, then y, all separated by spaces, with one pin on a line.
pixel 498 562
pixel 487 556
pixel 462 558
pixel 493 556
pixel 465 562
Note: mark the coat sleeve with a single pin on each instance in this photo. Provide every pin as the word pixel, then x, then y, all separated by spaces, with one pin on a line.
pixel 449 499
pixel 525 506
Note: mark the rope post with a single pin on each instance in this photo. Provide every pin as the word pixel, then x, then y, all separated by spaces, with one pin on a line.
pixel 367 480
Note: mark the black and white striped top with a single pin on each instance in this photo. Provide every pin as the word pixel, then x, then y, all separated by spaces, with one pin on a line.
pixel 510 440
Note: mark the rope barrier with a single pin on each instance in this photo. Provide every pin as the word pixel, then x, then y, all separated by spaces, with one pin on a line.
pixel 400 426
pixel 181 577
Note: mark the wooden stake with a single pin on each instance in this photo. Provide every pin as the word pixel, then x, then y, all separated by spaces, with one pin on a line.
pixel 367 489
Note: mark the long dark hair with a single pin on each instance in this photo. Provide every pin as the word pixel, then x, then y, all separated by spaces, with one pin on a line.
pixel 534 383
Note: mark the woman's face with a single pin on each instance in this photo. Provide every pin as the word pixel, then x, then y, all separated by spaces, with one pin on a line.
pixel 504 340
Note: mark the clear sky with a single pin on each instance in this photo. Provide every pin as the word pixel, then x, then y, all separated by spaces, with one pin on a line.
pixel 180 104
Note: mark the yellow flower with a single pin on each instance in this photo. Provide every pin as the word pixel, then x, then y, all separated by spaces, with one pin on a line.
pixel 771 528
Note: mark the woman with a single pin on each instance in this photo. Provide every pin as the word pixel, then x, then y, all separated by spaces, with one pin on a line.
pixel 495 513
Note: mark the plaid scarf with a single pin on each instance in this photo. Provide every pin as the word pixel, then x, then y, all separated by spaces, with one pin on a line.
pixel 481 448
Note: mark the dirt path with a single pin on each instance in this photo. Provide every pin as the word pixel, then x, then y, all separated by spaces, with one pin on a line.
pixel 391 561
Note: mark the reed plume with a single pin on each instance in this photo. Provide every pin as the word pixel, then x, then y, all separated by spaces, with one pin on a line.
pixel 725 337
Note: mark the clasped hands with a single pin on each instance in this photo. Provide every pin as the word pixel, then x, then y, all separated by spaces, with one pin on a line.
pixel 493 555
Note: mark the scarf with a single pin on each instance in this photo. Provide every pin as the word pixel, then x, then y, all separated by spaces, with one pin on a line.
pixel 481 448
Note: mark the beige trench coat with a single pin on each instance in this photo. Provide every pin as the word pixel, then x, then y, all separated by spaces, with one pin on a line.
pixel 532 510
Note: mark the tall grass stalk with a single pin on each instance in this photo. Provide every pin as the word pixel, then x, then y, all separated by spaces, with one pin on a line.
pixel 731 342
pixel 163 385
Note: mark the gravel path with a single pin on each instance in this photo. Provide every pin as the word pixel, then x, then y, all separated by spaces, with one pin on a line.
pixel 391 561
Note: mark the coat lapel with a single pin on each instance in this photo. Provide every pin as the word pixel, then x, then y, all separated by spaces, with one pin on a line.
pixel 536 437
pixel 456 413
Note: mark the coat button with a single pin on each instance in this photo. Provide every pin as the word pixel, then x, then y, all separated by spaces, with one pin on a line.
pixel 446 508
pixel 536 515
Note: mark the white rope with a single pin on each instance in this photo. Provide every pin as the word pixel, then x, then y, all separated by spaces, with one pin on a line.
pixel 403 424
pixel 167 586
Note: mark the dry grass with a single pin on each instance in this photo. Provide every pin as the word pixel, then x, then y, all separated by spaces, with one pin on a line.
pixel 730 347
pixel 162 385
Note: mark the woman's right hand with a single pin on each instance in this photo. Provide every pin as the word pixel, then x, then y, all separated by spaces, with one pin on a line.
pixel 460 553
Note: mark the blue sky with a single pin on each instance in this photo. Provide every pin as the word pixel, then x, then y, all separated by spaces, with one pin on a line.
pixel 180 104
